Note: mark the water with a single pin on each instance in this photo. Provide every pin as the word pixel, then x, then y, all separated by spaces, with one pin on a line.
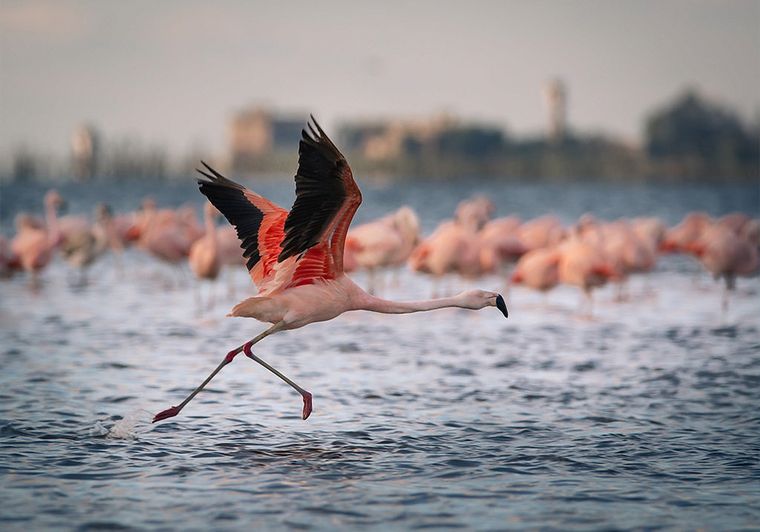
pixel 643 417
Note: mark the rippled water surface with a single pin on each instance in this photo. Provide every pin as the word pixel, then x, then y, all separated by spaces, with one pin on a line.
pixel 646 416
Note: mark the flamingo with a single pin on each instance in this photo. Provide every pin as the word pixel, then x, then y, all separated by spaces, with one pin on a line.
pixel 164 234
pixel 542 232
pixel 6 258
pixel 744 227
pixel 386 242
pixel 72 228
pixel 452 248
pixel 584 265
pixel 624 251
pixel 538 269
pixel 230 254
pixel 82 244
pixel 683 236
pixel 204 258
pixel 296 258
pixel 80 249
pixel 108 232
pixel 34 244
pixel 751 232
pixel 473 213
pixel 499 243
pixel 725 254
pixel 650 231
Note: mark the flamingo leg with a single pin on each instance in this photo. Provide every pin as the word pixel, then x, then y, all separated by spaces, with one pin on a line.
pixel 728 287
pixel 198 300
pixel 307 397
pixel 212 296
pixel 229 357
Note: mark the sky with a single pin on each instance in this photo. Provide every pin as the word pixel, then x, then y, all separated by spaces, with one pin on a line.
pixel 174 72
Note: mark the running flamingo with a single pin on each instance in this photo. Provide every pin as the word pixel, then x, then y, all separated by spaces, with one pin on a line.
pixel 296 258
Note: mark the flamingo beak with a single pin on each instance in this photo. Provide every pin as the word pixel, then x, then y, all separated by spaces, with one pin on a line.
pixel 502 306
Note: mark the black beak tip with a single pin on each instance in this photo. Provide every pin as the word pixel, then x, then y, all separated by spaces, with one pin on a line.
pixel 502 306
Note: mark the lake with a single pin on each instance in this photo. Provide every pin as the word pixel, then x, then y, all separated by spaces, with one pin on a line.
pixel 645 416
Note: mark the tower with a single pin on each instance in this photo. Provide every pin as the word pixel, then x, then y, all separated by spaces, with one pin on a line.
pixel 85 151
pixel 555 96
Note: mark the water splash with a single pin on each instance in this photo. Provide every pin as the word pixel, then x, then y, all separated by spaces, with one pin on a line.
pixel 128 427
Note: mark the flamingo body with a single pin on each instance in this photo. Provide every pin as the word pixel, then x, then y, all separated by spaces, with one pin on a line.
pixel 388 241
pixel 34 243
pixel 204 258
pixel 583 265
pixel 474 212
pixel 725 254
pixel 541 232
pixel 452 248
pixel 538 269
pixel 684 235
pixel 230 253
pixel 32 247
pixel 303 304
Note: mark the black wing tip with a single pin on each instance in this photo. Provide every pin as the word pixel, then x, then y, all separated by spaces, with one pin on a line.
pixel 311 121
pixel 215 178
pixel 309 134
pixel 201 181
pixel 313 135
pixel 313 131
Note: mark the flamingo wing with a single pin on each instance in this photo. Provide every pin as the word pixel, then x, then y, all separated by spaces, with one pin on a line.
pixel 259 223
pixel 291 249
pixel 326 199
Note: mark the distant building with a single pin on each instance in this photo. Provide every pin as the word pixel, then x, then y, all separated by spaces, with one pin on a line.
pixel 257 132
pixel 555 95
pixel 85 152
pixel 386 140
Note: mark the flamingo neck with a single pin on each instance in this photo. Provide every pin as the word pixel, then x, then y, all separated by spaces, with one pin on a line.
pixel 384 306
pixel 210 228
pixel 51 221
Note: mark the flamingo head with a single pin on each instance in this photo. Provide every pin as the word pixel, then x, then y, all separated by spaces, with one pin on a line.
pixel 478 299
pixel 54 199
pixel 103 212
pixel 517 277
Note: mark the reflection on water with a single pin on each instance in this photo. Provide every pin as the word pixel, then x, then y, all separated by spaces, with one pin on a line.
pixel 645 416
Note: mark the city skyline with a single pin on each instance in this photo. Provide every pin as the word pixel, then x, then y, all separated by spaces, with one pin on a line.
pixel 175 73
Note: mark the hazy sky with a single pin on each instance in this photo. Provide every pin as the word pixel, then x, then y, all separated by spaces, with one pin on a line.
pixel 174 71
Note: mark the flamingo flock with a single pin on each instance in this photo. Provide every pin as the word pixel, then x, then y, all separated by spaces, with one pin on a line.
pixel 538 254
pixel 298 259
